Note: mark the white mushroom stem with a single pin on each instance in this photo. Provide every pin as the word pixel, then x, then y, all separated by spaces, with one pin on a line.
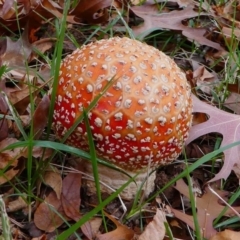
pixel 111 180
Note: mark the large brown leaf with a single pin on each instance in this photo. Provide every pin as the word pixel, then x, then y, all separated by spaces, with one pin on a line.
pixel 50 214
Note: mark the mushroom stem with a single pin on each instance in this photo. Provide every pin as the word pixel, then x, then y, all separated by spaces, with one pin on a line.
pixel 111 180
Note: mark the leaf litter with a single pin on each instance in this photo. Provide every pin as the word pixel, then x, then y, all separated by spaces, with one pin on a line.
pixel 63 200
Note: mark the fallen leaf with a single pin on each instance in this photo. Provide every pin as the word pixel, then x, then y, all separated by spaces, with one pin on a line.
pixel 44 44
pixel 17 204
pixel 229 32
pixel 50 214
pixel 226 235
pixel 16 53
pixel 3 121
pixel 204 80
pixel 40 117
pixel 53 178
pixel 71 195
pixel 208 208
pixel 9 160
pixel 7 9
pixel 221 122
pixel 153 20
pixel 232 102
pixel 120 233
pixel 93 11
pixel 155 229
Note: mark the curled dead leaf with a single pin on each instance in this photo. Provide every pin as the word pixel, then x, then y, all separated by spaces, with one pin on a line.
pixel 121 232
pixel 155 229
pixel 17 204
pixel 226 235
pixel 53 178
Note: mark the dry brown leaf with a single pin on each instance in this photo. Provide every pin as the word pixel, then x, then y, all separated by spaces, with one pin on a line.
pixel 3 110
pixel 226 235
pixel 35 12
pixel 9 160
pixel 208 208
pixel 43 153
pixel 53 178
pixel 17 204
pixel 21 98
pixel 8 10
pixel 233 102
pixel 50 214
pixel 229 32
pixel 9 156
pixel 91 227
pixel 71 201
pixel 71 195
pixel 153 20
pixel 95 224
pixel 93 11
pixel 155 229
pixel 121 232
pixel 204 79
pixel 44 44
pixel 8 175
pixel 16 53
pixel 40 117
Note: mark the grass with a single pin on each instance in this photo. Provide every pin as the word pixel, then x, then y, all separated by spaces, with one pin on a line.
pixel 35 170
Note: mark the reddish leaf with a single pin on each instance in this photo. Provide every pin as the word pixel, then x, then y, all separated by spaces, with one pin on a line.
pixel 153 20
pixel 71 200
pixel 224 123
pixel 71 195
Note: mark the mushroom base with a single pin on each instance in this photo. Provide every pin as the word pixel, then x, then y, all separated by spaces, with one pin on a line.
pixel 111 180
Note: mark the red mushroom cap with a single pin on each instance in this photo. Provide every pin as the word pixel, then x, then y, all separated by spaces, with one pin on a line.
pixel 142 119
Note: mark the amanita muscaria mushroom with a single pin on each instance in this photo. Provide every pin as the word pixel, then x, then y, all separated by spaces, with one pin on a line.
pixel 143 119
